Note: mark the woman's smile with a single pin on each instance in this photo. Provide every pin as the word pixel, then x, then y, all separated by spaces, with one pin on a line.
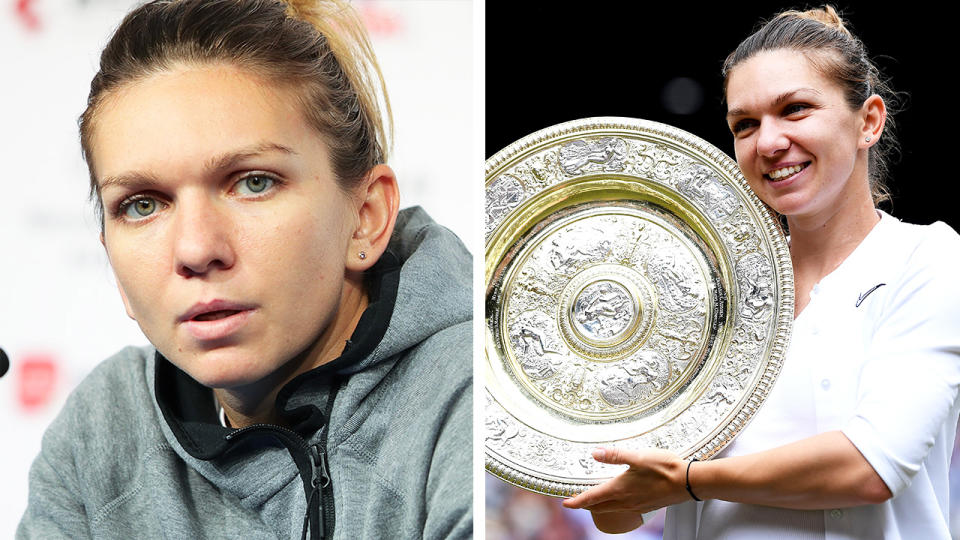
pixel 784 173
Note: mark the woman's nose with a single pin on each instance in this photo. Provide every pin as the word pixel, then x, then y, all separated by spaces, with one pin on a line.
pixel 203 238
pixel 771 139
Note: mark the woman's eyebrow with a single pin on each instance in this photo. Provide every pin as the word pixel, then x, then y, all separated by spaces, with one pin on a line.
pixel 138 180
pixel 230 159
pixel 780 100
pixel 146 180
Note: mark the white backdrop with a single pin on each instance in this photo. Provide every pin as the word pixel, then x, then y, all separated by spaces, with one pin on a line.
pixel 60 313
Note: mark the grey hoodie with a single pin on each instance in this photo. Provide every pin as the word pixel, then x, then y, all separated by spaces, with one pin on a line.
pixel 380 439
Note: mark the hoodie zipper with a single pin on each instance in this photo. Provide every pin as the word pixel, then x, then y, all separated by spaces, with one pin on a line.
pixel 320 479
pixel 329 511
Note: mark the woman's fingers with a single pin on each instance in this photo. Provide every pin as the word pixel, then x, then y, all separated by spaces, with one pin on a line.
pixel 605 491
pixel 592 496
pixel 617 456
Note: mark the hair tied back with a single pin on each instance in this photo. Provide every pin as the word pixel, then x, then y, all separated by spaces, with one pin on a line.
pixel 827 16
pixel 346 36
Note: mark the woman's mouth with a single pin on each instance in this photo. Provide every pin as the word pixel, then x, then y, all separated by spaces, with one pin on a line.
pixel 781 174
pixel 214 315
pixel 219 319
pixel 217 325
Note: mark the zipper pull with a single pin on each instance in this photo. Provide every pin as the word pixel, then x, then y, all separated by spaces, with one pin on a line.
pixel 319 479
pixel 320 471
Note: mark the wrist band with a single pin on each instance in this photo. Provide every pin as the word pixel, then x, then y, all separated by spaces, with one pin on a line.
pixel 690 491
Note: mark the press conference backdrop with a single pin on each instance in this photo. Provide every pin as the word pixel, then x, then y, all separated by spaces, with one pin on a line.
pixel 60 313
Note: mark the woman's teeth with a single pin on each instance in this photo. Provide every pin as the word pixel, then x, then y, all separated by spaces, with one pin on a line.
pixel 785 172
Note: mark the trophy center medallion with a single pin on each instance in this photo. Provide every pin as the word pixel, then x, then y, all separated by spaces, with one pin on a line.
pixel 603 312
pixel 606 311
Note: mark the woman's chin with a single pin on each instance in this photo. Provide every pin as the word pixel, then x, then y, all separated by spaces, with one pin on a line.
pixel 231 381
pixel 223 371
pixel 245 368
pixel 789 206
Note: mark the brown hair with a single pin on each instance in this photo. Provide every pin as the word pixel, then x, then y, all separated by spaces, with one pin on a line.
pixel 840 56
pixel 317 47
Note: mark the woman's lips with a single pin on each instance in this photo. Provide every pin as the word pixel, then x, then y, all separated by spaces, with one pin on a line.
pixel 217 319
pixel 785 173
pixel 217 325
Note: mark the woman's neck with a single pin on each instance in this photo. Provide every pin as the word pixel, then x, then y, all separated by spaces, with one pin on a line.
pixel 820 243
pixel 256 403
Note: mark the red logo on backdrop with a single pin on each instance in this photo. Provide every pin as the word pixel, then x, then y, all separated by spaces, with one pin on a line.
pixel 37 380
pixel 26 14
pixel 379 20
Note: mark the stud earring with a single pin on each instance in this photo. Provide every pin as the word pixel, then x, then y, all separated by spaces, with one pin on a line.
pixel 868 139
pixel 363 255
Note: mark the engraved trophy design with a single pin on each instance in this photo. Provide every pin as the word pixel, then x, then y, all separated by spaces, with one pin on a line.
pixel 637 294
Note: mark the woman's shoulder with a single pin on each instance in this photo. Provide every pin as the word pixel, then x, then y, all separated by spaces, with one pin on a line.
pixel 918 266
pixel 112 403
pixel 933 232
pixel 122 376
pixel 107 426
pixel 911 244
pixel 940 236
pixel 445 357
pixel 936 244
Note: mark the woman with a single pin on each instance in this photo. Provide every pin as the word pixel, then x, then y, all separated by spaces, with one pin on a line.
pixel 310 368
pixel 855 439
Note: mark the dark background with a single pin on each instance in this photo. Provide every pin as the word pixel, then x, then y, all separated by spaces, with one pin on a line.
pixel 553 62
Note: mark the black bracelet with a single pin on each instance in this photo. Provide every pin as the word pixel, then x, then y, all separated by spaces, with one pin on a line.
pixel 690 491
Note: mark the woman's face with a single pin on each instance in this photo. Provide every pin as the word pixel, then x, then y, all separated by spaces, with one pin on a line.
pixel 223 222
pixel 795 137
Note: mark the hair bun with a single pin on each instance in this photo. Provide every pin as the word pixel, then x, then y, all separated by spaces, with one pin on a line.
pixel 300 8
pixel 826 15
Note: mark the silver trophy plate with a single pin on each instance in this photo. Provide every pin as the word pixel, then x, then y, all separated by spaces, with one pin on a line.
pixel 638 295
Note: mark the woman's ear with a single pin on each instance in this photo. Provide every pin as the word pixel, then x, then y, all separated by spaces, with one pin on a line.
pixel 874 115
pixel 379 202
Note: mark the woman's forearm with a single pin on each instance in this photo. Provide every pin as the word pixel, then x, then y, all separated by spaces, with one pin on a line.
pixel 819 472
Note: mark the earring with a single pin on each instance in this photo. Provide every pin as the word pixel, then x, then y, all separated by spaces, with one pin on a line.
pixel 868 139
pixel 363 255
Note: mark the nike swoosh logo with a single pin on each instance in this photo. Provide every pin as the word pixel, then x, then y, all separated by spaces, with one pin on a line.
pixel 864 295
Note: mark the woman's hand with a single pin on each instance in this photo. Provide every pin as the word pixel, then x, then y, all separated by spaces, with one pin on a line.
pixel 656 478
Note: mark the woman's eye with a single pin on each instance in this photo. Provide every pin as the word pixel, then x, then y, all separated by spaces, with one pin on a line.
pixel 255 184
pixel 139 208
pixel 742 125
pixel 795 108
